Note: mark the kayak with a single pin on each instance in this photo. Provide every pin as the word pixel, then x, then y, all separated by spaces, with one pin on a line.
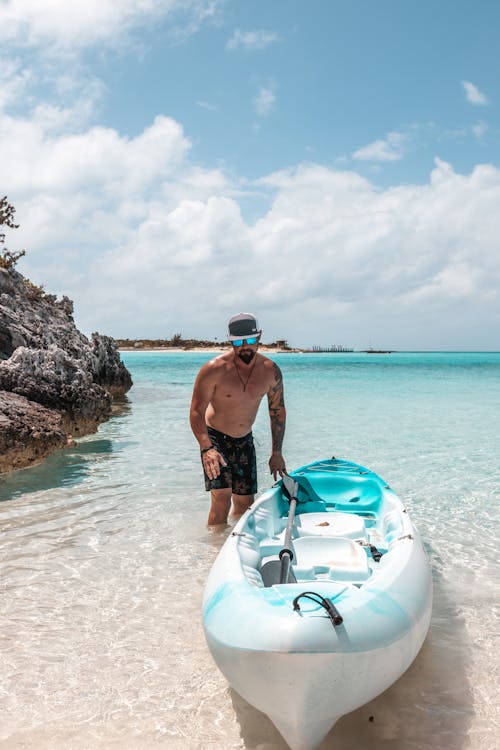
pixel 320 598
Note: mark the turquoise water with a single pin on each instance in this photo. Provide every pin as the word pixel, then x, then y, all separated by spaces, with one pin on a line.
pixel 105 552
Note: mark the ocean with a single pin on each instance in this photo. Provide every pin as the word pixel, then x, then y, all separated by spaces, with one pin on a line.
pixel 105 552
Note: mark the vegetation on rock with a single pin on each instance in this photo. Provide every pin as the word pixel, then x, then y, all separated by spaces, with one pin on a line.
pixel 8 259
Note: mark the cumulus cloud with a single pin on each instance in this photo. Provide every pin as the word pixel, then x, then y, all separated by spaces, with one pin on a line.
pixel 43 65
pixel 148 243
pixel 80 24
pixel 473 94
pixel 426 251
pixel 265 100
pixel 389 149
pixel 251 40
pixel 75 161
pixel 141 244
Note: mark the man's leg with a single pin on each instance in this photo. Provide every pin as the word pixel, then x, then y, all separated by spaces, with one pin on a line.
pixel 219 507
pixel 241 503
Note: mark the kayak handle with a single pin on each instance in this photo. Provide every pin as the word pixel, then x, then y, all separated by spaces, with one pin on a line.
pixel 327 605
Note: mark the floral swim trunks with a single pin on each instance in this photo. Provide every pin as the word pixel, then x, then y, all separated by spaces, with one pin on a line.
pixel 240 474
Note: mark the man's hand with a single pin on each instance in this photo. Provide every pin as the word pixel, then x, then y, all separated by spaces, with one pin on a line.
pixel 277 464
pixel 212 461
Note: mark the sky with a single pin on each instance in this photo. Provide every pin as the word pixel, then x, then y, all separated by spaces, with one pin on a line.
pixel 331 166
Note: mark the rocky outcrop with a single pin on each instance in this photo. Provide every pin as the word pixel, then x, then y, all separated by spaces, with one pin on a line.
pixel 28 432
pixel 60 382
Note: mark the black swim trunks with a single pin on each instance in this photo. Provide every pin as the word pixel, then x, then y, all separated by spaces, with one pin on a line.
pixel 240 474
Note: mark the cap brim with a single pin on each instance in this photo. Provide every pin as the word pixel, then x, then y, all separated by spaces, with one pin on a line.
pixel 243 336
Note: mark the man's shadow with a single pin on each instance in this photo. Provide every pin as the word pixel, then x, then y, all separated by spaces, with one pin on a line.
pixel 431 705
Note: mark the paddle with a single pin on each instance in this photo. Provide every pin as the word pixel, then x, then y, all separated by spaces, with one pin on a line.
pixel 278 571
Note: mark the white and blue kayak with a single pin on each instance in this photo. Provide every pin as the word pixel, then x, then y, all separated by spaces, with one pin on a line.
pixel 319 599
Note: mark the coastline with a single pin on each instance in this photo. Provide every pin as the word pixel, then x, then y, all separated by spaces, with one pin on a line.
pixel 201 349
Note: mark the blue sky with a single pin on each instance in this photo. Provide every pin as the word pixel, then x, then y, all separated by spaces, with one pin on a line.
pixel 331 166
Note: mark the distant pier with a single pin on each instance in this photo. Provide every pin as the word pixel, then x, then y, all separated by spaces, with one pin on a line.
pixel 337 348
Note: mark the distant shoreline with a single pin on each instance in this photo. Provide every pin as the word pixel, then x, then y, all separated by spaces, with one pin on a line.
pixel 179 344
pixel 297 350
pixel 222 349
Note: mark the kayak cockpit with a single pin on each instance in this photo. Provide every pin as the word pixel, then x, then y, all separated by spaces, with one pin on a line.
pixel 344 523
pixel 321 556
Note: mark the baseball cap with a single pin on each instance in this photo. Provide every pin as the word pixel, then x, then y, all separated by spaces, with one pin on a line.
pixel 243 326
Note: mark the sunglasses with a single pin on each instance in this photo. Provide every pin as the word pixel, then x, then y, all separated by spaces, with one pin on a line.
pixel 239 342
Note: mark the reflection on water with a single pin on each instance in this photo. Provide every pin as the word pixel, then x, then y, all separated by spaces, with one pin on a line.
pixel 72 465
pixel 64 468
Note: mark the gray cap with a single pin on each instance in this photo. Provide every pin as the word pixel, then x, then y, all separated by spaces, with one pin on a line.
pixel 242 326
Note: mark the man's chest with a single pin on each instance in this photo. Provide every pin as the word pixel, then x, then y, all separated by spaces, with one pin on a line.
pixel 241 387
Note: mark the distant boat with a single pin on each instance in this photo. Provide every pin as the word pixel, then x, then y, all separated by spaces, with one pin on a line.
pixel 310 614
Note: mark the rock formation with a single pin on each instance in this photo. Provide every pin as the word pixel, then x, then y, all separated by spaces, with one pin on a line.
pixel 28 431
pixel 54 381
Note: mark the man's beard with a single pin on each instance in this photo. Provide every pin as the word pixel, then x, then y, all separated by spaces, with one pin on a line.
pixel 246 355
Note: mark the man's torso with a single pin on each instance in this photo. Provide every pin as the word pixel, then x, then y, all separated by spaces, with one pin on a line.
pixel 237 394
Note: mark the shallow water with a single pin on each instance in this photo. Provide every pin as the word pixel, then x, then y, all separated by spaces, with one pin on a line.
pixel 105 553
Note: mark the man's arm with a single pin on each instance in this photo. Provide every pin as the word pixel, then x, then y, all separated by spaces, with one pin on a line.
pixel 277 415
pixel 202 393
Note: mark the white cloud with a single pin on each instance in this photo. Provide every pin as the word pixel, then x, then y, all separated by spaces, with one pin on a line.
pixel 408 254
pixel 79 24
pixel 43 68
pixel 473 94
pixel 251 40
pixel 207 105
pixel 30 153
pixel 148 243
pixel 389 149
pixel 480 129
pixel 265 100
pixel 14 80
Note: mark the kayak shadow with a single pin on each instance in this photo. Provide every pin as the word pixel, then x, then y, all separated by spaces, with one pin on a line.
pixel 430 705
pixel 257 730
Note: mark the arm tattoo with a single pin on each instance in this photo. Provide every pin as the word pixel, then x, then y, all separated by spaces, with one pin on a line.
pixel 277 431
pixel 277 388
pixel 277 409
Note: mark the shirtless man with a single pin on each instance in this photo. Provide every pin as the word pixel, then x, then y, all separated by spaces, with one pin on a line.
pixel 226 398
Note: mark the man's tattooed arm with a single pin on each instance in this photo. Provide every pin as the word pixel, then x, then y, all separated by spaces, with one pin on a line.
pixel 277 412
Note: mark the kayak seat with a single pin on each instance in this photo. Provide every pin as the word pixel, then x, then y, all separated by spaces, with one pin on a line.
pixel 336 558
pixel 354 493
pixel 347 525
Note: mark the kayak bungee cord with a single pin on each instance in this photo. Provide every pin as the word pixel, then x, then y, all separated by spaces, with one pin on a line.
pixel 327 605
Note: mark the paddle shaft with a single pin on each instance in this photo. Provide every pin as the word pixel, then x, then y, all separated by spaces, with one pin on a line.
pixel 286 553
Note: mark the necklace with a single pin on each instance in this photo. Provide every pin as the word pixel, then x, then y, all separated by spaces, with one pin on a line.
pixel 244 383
